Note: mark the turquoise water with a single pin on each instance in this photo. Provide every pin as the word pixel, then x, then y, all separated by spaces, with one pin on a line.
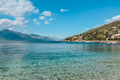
pixel 59 61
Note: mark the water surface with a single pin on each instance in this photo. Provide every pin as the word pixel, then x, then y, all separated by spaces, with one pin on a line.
pixel 59 61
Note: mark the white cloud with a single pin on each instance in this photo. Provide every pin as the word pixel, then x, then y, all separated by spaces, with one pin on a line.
pixel 36 22
pixel 16 9
pixel 97 26
pixel 50 19
pixel 115 18
pixel 10 28
pixel 19 22
pixel 46 22
pixel 31 29
pixel 25 30
pixel 62 10
pixel 36 11
pixel 42 17
pixel 86 28
pixel 34 19
pixel 47 13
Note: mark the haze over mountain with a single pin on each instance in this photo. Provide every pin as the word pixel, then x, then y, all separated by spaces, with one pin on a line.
pixel 9 35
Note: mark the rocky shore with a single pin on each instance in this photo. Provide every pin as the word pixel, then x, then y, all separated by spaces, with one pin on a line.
pixel 110 42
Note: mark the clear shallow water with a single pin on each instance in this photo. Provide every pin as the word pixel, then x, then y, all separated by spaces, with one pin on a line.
pixel 59 61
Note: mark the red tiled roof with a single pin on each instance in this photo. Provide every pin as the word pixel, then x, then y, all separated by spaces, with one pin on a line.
pixel 116 35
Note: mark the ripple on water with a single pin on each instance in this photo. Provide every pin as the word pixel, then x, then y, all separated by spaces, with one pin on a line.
pixel 59 61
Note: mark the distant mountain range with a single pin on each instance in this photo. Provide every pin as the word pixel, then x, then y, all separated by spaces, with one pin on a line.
pixel 9 35
pixel 99 33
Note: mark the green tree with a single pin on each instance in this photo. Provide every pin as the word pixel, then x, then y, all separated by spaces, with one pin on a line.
pixel 106 34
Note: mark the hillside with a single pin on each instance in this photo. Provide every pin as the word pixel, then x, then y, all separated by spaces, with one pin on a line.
pixel 100 33
pixel 9 35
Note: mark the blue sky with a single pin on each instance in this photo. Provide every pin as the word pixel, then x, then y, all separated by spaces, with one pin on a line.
pixel 57 18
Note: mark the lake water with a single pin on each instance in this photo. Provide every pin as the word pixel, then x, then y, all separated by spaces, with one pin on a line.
pixel 59 61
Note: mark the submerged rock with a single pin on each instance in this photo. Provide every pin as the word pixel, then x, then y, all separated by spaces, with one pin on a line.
pixel 59 78
pixel 3 69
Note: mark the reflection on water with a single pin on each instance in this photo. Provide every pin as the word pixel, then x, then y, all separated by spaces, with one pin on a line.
pixel 59 61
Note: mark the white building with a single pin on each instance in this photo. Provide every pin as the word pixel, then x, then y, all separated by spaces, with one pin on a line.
pixel 119 32
pixel 80 38
pixel 116 35
pixel 114 27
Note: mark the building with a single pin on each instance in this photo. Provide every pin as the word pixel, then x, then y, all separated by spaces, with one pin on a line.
pixel 80 38
pixel 114 27
pixel 116 35
pixel 119 32
pixel 74 38
pixel 105 30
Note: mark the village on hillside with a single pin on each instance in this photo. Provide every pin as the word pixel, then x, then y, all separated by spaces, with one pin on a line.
pixel 107 33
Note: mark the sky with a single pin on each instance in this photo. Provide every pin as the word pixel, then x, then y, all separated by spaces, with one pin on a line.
pixel 57 18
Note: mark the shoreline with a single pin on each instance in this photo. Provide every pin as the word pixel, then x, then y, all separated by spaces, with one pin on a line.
pixel 109 42
pixel 86 41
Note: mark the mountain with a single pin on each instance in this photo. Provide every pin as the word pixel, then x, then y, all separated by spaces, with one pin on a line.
pixel 51 38
pixel 9 35
pixel 100 33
